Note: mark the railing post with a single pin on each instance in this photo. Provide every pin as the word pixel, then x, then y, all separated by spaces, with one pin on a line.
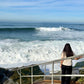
pixel 52 82
pixel 31 74
pixel 44 71
pixel 20 77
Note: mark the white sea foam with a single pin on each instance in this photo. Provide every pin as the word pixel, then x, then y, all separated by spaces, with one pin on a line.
pixel 15 53
pixel 59 34
pixel 52 28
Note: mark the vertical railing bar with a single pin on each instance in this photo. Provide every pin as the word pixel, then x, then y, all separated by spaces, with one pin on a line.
pixel 20 77
pixel 31 74
pixel 44 71
pixel 52 82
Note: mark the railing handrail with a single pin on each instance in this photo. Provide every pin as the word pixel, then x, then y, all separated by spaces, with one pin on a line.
pixel 57 75
pixel 32 65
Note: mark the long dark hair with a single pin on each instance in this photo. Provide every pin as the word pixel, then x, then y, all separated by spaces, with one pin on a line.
pixel 67 49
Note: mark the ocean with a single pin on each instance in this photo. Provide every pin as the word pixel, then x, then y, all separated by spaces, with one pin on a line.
pixel 24 43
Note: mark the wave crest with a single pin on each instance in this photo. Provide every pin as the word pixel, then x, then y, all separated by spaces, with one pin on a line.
pixel 52 29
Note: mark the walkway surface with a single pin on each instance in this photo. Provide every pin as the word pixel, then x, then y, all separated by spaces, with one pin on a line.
pixel 49 82
pixel 46 83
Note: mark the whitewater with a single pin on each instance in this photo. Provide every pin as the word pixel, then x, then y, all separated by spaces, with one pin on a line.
pixel 24 46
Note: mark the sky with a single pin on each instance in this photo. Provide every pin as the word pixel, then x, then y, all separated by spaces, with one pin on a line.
pixel 42 10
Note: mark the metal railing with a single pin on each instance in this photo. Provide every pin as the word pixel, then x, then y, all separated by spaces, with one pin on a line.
pixel 47 63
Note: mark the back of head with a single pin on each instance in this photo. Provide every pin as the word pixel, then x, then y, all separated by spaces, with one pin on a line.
pixel 67 49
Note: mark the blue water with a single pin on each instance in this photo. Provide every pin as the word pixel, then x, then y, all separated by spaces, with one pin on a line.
pixel 41 31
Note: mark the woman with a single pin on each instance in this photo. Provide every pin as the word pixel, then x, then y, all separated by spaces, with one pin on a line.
pixel 66 65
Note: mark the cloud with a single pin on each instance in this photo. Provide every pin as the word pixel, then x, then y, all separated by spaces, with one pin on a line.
pixel 24 3
pixel 66 5
pixel 41 3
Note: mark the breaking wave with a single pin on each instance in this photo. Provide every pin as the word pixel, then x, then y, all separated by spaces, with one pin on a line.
pixel 52 29
pixel 37 29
